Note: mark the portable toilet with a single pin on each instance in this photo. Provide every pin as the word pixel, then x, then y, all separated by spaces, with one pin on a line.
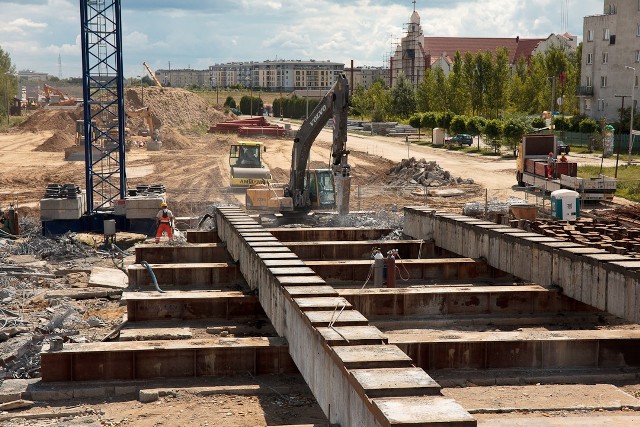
pixel 565 205
pixel 438 136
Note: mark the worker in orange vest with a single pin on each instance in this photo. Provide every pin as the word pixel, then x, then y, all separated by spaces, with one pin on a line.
pixel 164 219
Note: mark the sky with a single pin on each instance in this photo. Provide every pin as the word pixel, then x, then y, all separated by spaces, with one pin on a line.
pixel 198 33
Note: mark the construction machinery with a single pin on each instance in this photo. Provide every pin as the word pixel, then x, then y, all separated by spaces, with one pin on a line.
pixel 152 74
pixel 245 160
pixel 145 114
pixel 54 96
pixel 532 171
pixel 314 188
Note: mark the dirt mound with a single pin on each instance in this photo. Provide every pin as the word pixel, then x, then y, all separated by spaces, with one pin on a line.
pixel 174 140
pixel 174 107
pixel 53 119
pixel 57 142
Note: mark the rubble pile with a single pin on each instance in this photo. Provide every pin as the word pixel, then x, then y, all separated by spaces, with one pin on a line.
pixel 422 172
pixel 494 206
pixel 392 219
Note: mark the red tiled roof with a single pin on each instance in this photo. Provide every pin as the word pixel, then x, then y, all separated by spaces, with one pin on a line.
pixel 436 46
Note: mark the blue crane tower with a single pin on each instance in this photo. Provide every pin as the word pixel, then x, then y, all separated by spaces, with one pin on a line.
pixel 104 114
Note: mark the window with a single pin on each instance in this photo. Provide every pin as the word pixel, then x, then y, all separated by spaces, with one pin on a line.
pixel 605 34
pixel 605 57
pixel 589 81
pixel 603 81
pixel 637 55
pixel 589 58
pixel 636 84
pixel 638 31
pixel 590 34
pixel 587 104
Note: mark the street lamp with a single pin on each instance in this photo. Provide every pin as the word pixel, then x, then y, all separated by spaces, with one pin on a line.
pixel 633 86
pixel 251 95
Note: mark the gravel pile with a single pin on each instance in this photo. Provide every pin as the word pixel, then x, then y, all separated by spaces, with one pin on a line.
pixel 425 173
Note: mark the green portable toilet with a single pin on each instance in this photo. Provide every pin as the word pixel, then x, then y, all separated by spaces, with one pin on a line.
pixel 565 205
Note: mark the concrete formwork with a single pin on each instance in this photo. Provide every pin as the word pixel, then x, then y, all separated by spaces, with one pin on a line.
pixel 606 281
pixel 317 350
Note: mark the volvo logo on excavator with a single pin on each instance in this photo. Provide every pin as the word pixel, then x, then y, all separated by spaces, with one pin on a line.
pixel 312 123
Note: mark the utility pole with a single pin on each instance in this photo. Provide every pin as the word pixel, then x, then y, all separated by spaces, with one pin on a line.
pixel 620 132
pixel 633 86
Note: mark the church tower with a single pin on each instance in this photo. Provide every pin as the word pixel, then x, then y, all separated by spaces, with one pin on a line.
pixel 409 57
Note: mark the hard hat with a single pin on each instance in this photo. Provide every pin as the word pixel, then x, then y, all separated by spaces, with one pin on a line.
pixel 163 205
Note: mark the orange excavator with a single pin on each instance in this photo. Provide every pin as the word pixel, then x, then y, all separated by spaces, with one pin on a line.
pixel 55 96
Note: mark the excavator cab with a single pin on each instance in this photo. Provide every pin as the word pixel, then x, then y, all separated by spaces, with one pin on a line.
pixel 246 164
pixel 322 193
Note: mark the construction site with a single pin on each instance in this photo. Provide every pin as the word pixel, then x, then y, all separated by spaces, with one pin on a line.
pixel 311 275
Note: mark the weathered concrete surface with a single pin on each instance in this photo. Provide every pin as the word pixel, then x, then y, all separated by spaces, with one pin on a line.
pixel 108 278
pixel 196 252
pixel 343 400
pixel 588 275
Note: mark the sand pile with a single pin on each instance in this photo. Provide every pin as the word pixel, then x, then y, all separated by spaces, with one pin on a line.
pixel 173 140
pixel 174 107
pixel 57 142
pixel 46 119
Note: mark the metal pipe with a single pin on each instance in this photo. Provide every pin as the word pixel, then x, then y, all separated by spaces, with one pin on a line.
pixel 146 265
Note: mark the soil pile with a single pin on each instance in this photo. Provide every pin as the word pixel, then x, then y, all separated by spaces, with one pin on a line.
pixel 46 119
pixel 173 140
pixel 174 107
pixel 427 174
pixel 57 142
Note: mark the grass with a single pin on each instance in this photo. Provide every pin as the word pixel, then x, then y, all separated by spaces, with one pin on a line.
pixel 13 121
pixel 213 99
pixel 628 179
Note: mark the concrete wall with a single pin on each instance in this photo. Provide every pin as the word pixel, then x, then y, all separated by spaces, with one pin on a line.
pixel 341 396
pixel 606 281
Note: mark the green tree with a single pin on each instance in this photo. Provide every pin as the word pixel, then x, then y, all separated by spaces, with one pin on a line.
pixel 475 126
pixel 590 127
pixel 499 73
pixel 423 92
pixel 429 120
pixel 561 123
pixel 415 121
pixel 459 96
pixel 230 102
pixel 359 102
pixel 8 82
pixel 458 124
pixel 403 99
pixel 251 105
pixel 444 120
pixel 493 133
pixel 538 123
pixel 513 131
pixel 380 101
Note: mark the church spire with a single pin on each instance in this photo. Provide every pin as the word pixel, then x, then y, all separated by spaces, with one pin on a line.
pixel 414 5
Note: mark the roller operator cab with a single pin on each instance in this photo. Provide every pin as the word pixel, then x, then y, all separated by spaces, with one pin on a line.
pixel 245 160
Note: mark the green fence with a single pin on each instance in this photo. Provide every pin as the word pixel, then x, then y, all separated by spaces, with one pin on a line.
pixel 578 139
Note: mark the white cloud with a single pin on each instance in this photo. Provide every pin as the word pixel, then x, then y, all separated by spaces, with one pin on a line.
pixel 22 26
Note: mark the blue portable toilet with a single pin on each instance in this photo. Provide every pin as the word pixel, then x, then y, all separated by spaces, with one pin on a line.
pixel 565 205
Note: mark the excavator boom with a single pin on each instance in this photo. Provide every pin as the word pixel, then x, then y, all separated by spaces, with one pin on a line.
pixel 334 104
pixel 152 74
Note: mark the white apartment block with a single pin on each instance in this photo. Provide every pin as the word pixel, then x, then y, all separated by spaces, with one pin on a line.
pixel 285 75
pixel 365 76
pixel 183 77
pixel 611 44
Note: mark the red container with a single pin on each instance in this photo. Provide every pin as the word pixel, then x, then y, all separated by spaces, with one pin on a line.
pixel 566 168
pixel 540 168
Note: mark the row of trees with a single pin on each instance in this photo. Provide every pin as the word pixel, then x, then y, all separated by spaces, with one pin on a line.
pixel 294 107
pixel 483 84
pixel 8 82
pixel 506 131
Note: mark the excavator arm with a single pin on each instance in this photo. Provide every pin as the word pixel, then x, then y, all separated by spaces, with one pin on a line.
pixel 152 74
pixel 334 105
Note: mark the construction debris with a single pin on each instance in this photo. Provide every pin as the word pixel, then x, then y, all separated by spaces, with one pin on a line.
pixel 422 172
pixel 493 206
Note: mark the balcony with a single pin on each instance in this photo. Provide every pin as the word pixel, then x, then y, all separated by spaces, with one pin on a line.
pixel 585 91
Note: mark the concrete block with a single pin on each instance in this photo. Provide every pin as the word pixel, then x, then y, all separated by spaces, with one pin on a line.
pixel 139 202
pixel 125 390
pixel 47 395
pixel 61 204
pixel 616 293
pixel 54 214
pixel 630 307
pixel 148 396
pixel 422 411
pixel 139 213
pixel 89 392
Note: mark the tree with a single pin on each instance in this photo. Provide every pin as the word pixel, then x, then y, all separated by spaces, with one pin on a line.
pixel 493 132
pixel 458 124
pixel 403 100
pixel 423 95
pixel 230 102
pixel 359 102
pixel 444 120
pixel 513 131
pixel 8 82
pixel 561 123
pixel 589 126
pixel 460 99
pixel 475 126
pixel 429 120
pixel 538 123
pixel 415 121
pixel 380 101
pixel 247 103
pixel 498 71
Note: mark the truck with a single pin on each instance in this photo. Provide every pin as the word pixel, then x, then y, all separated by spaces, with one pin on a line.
pixel 307 188
pixel 247 168
pixel 531 171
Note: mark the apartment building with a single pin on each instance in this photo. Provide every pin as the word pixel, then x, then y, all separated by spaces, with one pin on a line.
pixel 278 75
pixel 610 53
pixel 365 76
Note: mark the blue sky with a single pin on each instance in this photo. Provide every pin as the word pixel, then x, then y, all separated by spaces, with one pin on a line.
pixel 199 33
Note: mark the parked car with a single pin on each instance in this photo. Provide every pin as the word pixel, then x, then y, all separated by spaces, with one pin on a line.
pixel 562 148
pixel 462 139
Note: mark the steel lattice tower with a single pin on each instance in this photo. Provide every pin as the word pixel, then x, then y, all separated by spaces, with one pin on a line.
pixel 104 116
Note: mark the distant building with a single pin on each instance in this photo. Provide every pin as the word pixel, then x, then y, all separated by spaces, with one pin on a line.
pixel 417 53
pixel 279 75
pixel 183 77
pixel 611 42
pixel 365 76
pixel 30 75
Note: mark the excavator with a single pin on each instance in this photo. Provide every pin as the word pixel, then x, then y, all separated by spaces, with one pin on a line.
pixel 55 96
pixel 152 74
pixel 146 116
pixel 313 188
